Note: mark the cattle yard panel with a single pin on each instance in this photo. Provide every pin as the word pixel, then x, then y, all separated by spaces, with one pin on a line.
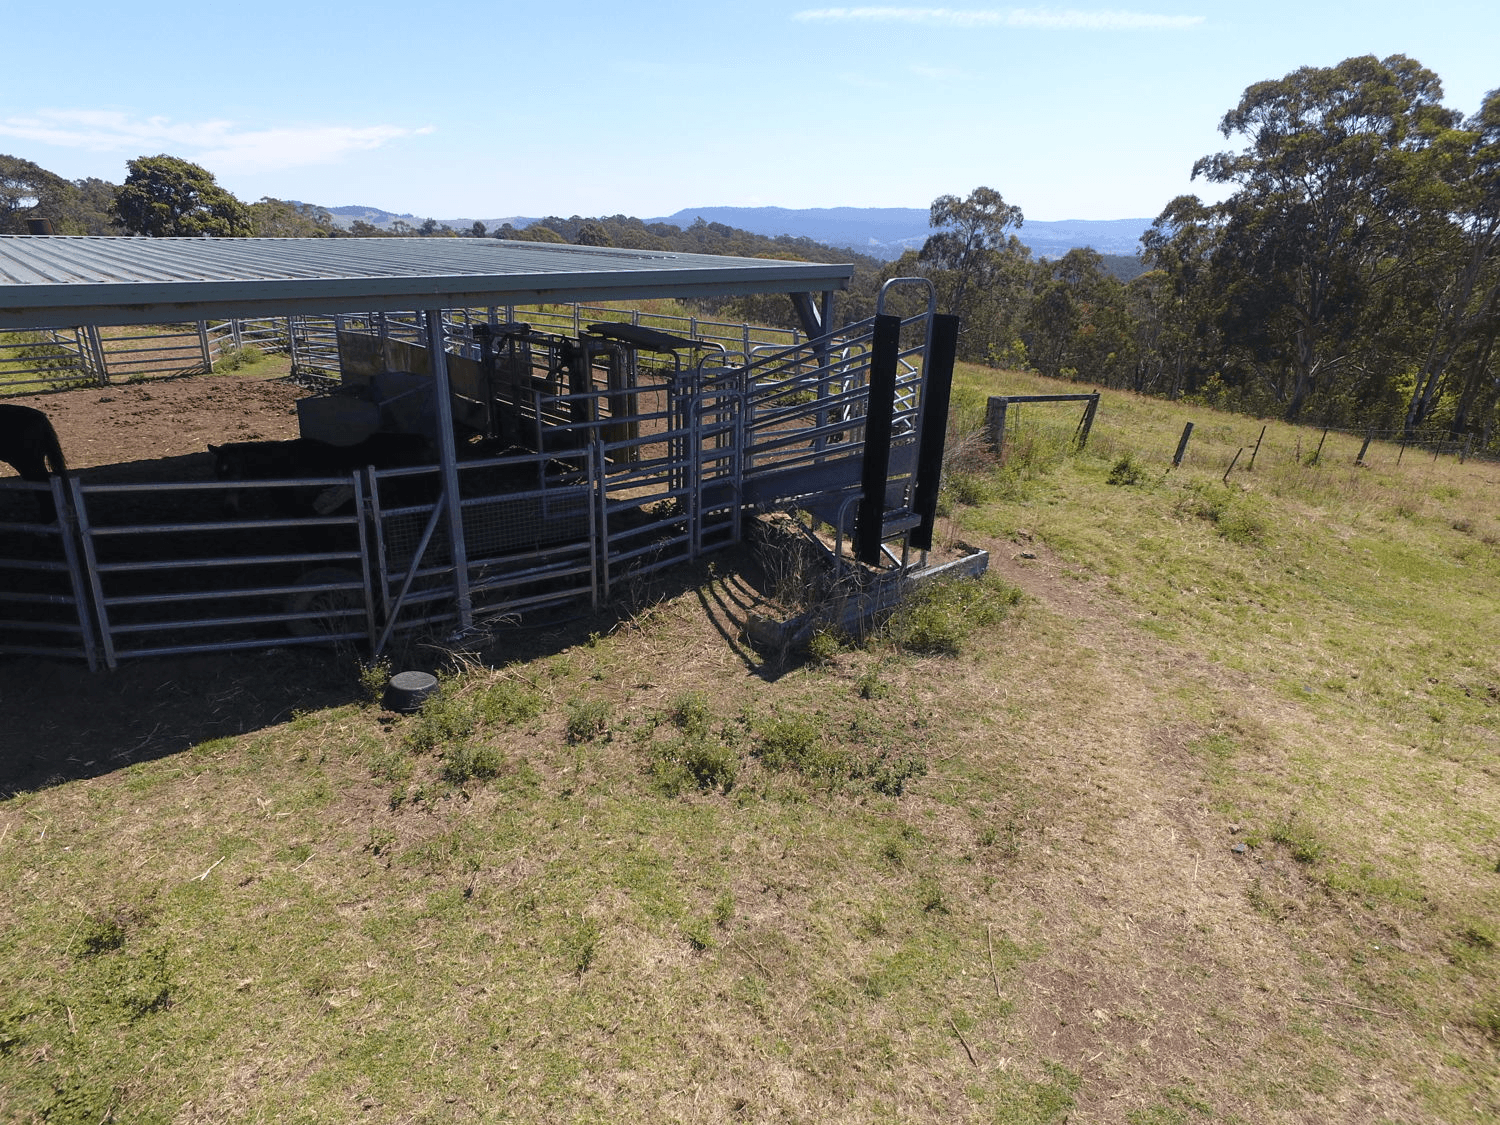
pixel 44 598
pixel 804 415
pixel 621 464
pixel 159 352
pixel 46 360
pixel 176 568
pixel 530 534
pixel 574 319
pixel 54 358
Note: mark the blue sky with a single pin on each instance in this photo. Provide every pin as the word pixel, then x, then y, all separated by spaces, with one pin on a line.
pixel 456 109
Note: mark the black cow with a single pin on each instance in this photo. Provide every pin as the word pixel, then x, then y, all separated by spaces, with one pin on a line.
pixel 308 457
pixel 28 443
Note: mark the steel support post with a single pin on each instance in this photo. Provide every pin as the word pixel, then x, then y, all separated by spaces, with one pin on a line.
pixel 448 462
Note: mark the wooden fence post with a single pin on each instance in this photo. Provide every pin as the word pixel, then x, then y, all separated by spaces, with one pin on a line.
pixel 1088 420
pixel 994 423
pixel 1256 450
pixel 1187 432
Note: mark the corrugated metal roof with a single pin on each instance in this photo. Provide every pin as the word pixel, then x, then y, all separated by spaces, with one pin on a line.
pixel 66 281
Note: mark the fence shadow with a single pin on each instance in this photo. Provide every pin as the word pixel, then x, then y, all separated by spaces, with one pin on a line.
pixel 63 723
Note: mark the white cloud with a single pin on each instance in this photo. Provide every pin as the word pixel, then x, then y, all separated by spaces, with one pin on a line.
pixel 1046 19
pixel 222 145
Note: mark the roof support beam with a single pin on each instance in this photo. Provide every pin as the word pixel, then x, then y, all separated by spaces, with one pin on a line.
pixel 814 320
pixel 448 464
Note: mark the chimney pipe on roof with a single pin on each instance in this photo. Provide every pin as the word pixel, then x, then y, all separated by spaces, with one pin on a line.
pixel 39 226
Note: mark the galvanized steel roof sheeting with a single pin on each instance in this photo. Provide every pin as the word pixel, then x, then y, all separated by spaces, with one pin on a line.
pixel 65 281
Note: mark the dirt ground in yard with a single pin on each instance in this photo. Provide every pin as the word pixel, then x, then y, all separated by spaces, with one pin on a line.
pixel 164 419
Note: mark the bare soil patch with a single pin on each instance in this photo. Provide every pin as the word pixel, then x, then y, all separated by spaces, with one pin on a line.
pixel 165 419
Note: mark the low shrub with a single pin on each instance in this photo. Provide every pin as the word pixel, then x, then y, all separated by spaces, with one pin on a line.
pixel 1126 471
pixel 465 761
pixel 689 713
pixel 508 703
pixel 445 719
pixel 694 763
pixel 237 359
pixel 1237 517
pixel 937 617
pixel 587 720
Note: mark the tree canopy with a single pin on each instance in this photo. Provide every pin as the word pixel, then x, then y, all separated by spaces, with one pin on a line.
pixel 1352 274
pixel 166 196
pixel 28 191
pixel 281 218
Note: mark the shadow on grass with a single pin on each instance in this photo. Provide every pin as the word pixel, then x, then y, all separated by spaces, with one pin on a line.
pixel 63 723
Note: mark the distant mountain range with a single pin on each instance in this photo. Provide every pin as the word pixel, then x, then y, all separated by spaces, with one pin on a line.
pixel 881 232
pixel 887 232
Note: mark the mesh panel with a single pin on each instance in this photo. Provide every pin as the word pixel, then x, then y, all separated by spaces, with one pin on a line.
pixel 500 526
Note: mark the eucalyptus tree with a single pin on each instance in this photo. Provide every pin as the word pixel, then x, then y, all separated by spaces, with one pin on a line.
pixel 1079 322
pixel 970 237
pixel 281 218
pixel 1180 299
pixel 1461 283
pixel 982 274
pixel 1322 210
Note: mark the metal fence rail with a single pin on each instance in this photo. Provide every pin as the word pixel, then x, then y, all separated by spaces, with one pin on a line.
pixel 632 468
pixel 170 574
pixel 45 360
pixel 805 405
pixel 44 599
pixel 530 533
pixel 159 353
pixel 52 358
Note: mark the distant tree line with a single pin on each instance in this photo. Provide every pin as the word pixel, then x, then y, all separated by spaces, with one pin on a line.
pixel 1352 276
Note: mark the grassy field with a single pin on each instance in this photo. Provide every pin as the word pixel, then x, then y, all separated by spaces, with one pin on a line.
pixel 1189 813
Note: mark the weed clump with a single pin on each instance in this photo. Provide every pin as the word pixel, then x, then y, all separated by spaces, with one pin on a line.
pixel 1487 1021
pixel 690 714
pixel 581 946
pixel 1237 517
pixel 824 646
pixel 1298 839
pixel 938 616
pixel 444 719
pixel 1126 471
pixel 588 719
pixel 795 742
pixel 871 686
pixel 968 489
pixel 373 678
pixel 236 359
pixel 507 703
pixel 101 933
pixel 14 1034
pixel 694 763
pixel 465 761
pixel 798 744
